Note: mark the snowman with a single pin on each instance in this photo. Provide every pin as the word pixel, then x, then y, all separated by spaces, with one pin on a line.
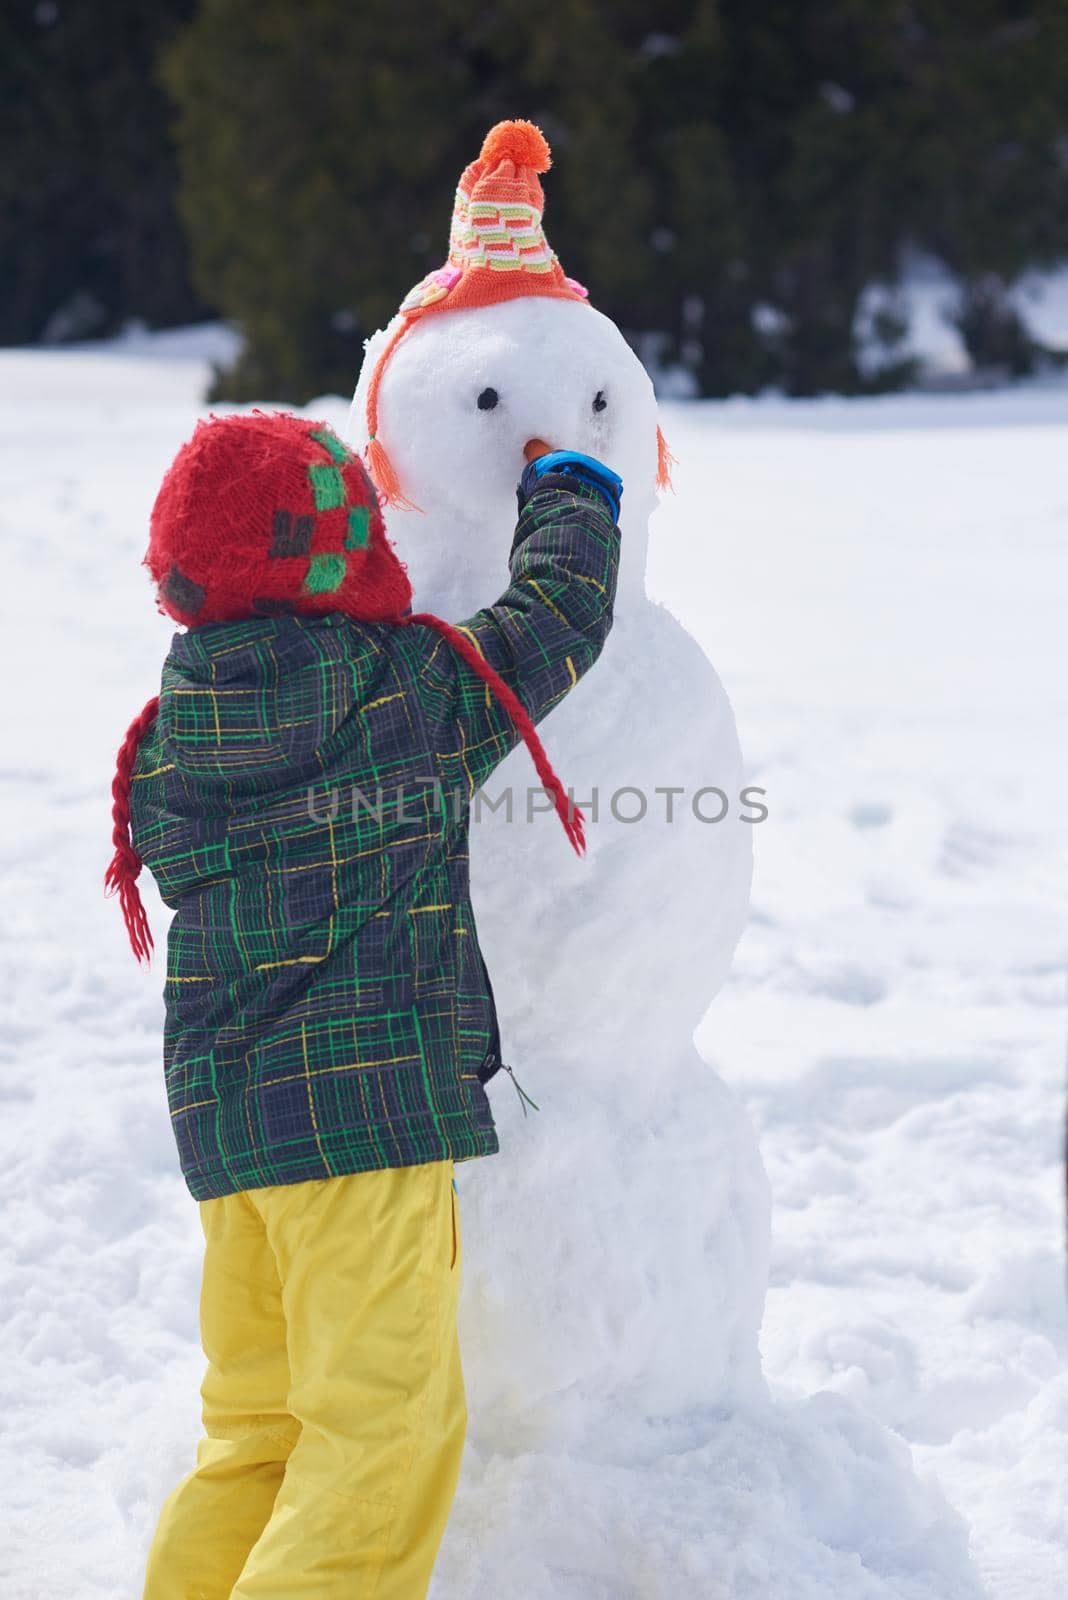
pixel 621 1257
pixel 615 1262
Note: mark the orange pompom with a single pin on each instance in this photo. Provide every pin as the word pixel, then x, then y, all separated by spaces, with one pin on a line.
pixel 520 142
pixel 664 460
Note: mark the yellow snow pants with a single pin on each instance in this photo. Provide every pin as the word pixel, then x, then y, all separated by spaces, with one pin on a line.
pixel 333 1402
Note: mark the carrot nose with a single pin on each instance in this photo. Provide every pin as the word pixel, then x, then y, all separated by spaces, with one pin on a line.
pixel 535 448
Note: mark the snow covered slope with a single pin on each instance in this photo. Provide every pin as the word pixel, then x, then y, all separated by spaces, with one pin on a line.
pixel 881 587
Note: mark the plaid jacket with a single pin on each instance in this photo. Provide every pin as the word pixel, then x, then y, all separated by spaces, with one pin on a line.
pixel 302 802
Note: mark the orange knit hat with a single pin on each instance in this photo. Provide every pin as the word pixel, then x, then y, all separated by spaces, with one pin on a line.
pixel 497 245
pixel 497 251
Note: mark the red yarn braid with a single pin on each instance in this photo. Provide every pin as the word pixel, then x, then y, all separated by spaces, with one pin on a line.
pixel 566 809
pixel 121 876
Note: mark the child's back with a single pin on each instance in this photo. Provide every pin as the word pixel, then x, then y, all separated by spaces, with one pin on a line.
pixel 302 801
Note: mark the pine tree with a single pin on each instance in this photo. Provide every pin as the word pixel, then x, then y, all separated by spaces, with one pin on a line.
pixel 321 144
pixel 88 231
pixel 984 136
pixel 730 176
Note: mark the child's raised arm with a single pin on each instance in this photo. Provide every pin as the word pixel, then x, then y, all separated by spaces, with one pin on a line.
pixel 547 628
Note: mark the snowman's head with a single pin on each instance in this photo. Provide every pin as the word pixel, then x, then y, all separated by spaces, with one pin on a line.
pixel 463 394
pixel 494 349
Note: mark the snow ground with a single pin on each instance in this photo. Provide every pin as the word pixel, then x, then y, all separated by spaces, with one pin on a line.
pixel 880 585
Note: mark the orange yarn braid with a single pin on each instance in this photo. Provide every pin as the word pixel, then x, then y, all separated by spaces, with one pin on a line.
pixel 121 875
pixel 664 460
pixel 378 463
pixel 566 809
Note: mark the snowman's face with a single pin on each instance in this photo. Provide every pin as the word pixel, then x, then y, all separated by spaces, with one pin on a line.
pixel 465 391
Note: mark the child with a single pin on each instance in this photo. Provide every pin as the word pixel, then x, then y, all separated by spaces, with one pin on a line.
pixel 329 1022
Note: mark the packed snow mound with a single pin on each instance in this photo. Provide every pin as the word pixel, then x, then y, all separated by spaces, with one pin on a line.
pixel 802 1501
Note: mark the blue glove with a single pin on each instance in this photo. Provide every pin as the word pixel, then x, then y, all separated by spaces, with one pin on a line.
pixel 571 463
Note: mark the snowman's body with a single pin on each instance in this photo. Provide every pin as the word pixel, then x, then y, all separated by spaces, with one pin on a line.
pixel 602 968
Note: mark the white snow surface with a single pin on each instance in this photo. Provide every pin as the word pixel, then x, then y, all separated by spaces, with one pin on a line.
pixel 880 585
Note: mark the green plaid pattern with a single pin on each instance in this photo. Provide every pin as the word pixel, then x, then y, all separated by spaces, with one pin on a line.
pixel 327 1009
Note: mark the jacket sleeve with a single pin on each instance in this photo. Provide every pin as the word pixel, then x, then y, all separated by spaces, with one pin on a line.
pixel 546 630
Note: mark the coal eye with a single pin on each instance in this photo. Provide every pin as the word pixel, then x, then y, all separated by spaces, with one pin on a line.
pixel 488 399
pixel 599 401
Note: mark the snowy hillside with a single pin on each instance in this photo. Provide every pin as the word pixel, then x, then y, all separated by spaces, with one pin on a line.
pixel 880 586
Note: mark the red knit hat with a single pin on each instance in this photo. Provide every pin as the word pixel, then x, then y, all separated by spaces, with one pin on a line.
pixel 261 514
pixel 265 514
